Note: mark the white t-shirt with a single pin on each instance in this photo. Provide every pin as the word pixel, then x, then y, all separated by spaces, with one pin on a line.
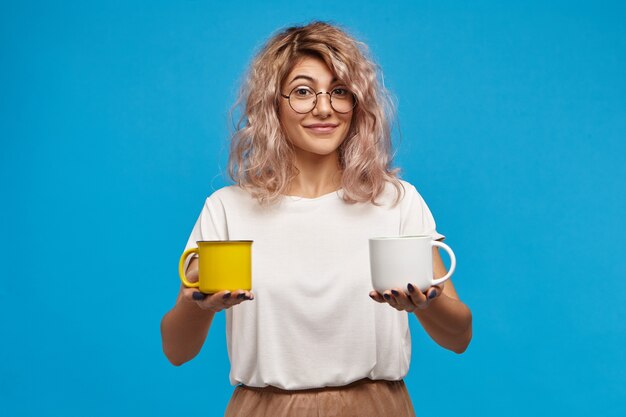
pixel 312 323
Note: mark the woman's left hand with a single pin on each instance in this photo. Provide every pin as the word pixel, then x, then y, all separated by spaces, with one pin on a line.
pixel 407 300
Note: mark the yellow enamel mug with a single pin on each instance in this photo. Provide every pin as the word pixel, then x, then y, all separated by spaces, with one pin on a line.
pixel 222 265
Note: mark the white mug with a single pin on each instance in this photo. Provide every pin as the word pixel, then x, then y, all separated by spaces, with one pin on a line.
pixel 398 261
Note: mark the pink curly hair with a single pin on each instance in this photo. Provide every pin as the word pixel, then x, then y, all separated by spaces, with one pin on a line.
pixel 261 159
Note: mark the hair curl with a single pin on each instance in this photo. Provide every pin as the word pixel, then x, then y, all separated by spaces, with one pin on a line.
pixel 261 159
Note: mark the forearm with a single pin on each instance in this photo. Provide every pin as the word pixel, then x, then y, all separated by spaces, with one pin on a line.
pixel 183 331
pixel 448 322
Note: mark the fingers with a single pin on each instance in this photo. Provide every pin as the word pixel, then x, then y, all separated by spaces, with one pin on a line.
pixel 410 299
pixel 417 297
pixel 376 296
pixel 423 299
pixel 399 300
pixel 224 299
pixel 396 298
pixel 217 301
pixel 434 292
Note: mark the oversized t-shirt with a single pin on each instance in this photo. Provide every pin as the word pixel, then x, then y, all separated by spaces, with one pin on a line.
pixel 312 323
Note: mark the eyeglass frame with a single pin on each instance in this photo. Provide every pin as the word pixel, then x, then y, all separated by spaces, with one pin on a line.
pixel 330 98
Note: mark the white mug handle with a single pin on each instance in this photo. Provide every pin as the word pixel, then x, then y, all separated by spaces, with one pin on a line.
pixel 452 261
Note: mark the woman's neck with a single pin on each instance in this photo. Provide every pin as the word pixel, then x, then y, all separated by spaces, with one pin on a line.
pixel 318 175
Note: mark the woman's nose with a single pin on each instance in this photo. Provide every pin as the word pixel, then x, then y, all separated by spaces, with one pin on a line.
pixel 322 105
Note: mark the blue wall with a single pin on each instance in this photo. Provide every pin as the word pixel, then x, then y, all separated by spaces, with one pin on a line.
pixel 512 121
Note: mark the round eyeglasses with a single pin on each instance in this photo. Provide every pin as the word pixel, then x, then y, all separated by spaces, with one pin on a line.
pixel 303 99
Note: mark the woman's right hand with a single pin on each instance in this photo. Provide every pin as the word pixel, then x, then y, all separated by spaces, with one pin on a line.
pixel 216 301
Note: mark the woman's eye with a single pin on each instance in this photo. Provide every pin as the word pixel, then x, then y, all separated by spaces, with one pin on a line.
pixel 340 91
pixel 303 92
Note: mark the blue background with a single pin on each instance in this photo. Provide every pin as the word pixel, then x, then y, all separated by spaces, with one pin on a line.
pixel 512 121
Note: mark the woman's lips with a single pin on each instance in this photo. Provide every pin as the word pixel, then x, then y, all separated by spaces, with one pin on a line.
pixel 325 129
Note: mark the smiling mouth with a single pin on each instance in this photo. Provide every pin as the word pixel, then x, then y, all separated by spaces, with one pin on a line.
pixel 325 129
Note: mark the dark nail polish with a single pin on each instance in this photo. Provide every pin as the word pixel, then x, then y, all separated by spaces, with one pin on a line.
pixel 411 288
pixel 432 295
pixel 197 296
pixel 240 296
pixel 227 295
pixel 395 293
pixel 387 296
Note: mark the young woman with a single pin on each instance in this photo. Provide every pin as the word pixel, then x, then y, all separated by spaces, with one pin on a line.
pixel 311 162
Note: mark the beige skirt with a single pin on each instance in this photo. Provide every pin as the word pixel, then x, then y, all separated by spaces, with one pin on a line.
pixel 362 398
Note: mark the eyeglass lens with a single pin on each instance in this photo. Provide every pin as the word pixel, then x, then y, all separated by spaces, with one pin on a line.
pixel 303 100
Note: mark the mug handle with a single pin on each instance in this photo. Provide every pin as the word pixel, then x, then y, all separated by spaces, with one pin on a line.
pixel 452 261
pixel 181 265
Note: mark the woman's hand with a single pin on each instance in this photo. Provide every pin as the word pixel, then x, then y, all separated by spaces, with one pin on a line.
pixel 410 300
pixel 213 302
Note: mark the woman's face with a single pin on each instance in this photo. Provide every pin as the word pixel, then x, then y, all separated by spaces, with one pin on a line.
pixel 300 130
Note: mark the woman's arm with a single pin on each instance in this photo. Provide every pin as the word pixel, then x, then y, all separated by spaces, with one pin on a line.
pixel 185 327
pixel 446 319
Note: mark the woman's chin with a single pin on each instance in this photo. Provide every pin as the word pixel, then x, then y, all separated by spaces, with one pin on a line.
pixel 317 151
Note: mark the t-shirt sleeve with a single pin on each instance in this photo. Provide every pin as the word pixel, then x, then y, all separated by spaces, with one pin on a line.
pixel 210 225
pixel 417 218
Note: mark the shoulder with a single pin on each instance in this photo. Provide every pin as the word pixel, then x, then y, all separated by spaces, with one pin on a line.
pixel 228 191
pixel 409 198
pixel 230 194
pixel 403 191
pixel 407 186
pixel 410 191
